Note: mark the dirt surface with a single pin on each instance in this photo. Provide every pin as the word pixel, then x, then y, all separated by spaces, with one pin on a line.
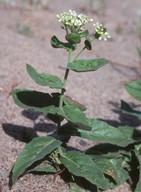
pixel 25 34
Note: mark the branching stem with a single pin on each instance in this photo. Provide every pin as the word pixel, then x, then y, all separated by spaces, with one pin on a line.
pixel 79 53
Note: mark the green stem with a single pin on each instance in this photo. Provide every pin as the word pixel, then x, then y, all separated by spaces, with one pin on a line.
pixel 66 29
pixel 79 53
pixel 63 91
pixel 93 38
pixel 64 83
pixel 82 50
pixel 65 80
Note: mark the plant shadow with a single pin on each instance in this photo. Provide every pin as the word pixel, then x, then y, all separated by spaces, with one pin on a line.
pixel 119 68
pixel 26 134
pixel 123 119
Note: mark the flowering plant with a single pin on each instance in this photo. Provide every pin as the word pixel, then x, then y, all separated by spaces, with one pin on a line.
pixel 98 168
pixel 73 23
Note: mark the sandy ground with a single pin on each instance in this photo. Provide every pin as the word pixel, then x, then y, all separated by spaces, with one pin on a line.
pixel 25 38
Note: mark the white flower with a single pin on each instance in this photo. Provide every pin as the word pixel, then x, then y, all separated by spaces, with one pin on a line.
pixel 97 26
pixel 101 32
pixel 73 21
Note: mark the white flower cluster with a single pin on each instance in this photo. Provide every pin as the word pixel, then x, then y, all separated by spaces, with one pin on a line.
pixel 101 32
pixel 73 21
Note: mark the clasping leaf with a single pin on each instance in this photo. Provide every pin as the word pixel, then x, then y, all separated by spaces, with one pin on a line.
pixel 88 43
pixel 44 79
pixel 87 65
pixel 59 44
pixel 84 34
pixel 76 116
pixel 73 38
pixel 69 101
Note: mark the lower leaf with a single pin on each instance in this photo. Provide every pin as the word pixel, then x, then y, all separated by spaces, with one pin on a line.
pixel 113 168
pixel 138 186
pixel 103 132
pixel 82 165
pixel 36 150
pixel 44 167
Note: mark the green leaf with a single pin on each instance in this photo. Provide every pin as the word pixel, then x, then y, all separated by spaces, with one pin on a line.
pixel 88 43
pixel 38 101
pixel 126 108
pixel 44 79
pixel 69 101
pixel 114 169
pixel 84 34
pixel 82 165
pixel 36 150
pixel 87 65
pixel 44 167
pixel 138 186
pixel 134 89
pixel 49 104
pixel 59 44
pixel 102 132
pixel 108 151
pixel 76 116
pixel 73 38
pixel 35 100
